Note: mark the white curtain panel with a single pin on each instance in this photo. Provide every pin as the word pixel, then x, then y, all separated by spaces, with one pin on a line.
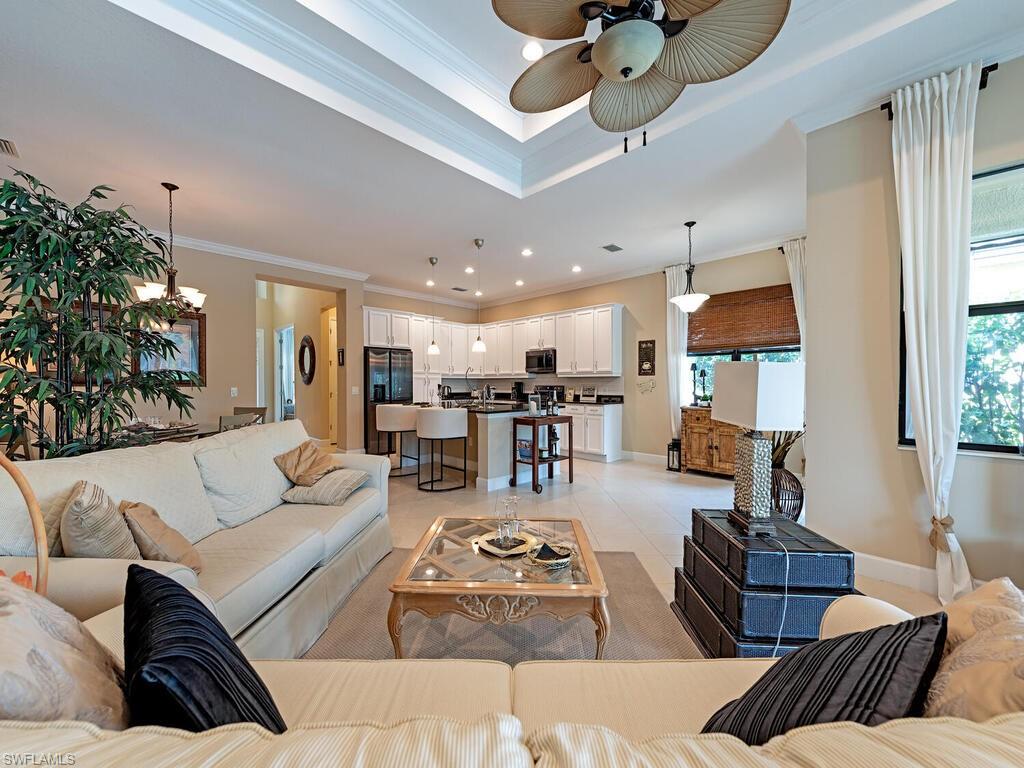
pixel 675 341
pixel 796 261
pixel 933 155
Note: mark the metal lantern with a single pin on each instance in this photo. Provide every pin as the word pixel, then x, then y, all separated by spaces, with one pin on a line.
pixel 675 457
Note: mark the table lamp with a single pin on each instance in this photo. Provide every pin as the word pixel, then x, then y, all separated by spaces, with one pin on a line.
pixel 758 397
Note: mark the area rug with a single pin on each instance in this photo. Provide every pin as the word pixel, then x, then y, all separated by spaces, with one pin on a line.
pixel 642 625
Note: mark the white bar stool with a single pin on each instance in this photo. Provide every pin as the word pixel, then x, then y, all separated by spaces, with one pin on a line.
pixel 398 419
pixel 438 425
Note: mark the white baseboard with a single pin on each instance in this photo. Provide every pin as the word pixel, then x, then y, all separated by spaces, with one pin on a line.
pixel 351 450
pixel 917 577
pixel 646 458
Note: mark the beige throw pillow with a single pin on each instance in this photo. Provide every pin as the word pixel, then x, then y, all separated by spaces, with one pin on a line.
pixel 331 490
pixel 156 539
pixel 51 668
pixel 982 672
pixel 305 464
pixel 92 526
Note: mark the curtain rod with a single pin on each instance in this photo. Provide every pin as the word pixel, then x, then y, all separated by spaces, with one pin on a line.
pixel 985 72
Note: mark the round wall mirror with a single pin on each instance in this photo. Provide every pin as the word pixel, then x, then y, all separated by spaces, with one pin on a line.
pixel 307 360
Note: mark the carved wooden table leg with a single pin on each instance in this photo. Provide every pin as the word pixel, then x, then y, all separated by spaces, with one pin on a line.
pixel 603 621
pixel 395 613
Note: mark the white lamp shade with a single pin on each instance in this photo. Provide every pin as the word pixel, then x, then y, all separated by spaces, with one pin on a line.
pixel 194 295
pixel 479 346
pixel 759 396
pixel 433 349
pixel 690 302
pixel 150 291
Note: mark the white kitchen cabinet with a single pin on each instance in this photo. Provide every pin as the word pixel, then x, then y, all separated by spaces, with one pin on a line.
pixel 534 333
pixel 579 434
pixel 593 434
pixel 583 342
pixel 377 323
pixel 458 348
pixel 607 342
pixel 400 330
pixel 565 345
pixel 505 349
pixel 477 361
pixel 424 388
pixel 490 367
pixel 520 343
pixel 596 431
pixel 547 331
pixel 418 344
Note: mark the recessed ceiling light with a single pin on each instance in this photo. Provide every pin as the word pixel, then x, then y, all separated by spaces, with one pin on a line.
pixel 470 270
pixel 520 283
pixel 533 50
pixel 430 283
pixel 577 268
pixel 527 252
pixel 478 293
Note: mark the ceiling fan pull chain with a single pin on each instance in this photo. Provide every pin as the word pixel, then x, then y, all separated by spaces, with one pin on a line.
pixel 625 145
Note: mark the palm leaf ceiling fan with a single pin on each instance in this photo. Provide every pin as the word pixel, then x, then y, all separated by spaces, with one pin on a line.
pixel 638 65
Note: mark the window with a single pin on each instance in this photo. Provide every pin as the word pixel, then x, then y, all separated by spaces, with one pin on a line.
pixel 705 362
pixel 993 405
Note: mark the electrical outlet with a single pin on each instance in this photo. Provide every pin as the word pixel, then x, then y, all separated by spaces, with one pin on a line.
pixel 234 391
pixel 355 391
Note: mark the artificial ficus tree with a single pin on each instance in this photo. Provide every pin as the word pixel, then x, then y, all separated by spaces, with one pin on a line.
pixel 70 326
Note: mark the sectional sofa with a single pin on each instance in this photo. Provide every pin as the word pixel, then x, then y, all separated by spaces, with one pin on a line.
pixel 274 572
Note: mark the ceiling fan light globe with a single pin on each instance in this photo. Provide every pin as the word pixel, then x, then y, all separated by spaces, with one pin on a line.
pixel 690 302
pixel 627 50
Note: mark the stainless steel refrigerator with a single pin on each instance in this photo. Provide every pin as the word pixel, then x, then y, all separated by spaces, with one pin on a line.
pixel 388 380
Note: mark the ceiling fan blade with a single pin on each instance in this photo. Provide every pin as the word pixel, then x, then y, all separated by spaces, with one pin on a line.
pixel 555 80
pixel 546 19
pixel 618 107
pixel 684 9
pixel 722 40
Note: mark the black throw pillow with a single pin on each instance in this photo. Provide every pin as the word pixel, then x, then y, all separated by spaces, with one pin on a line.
pixel 863 677
pixel 182 669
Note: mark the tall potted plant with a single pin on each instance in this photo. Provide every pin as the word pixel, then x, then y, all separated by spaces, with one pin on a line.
pixel 70 326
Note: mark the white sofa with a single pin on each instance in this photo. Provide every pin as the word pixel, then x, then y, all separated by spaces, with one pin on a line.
pixel 275 572
pixel 552 714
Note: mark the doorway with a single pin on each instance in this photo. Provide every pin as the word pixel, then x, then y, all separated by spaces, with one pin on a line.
pixel 332 374
pixel 284 353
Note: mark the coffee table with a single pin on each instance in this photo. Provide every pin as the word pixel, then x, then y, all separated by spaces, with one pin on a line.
pixel 447 573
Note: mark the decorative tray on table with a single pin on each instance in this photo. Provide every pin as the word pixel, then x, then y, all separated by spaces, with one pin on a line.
pixel 490 543
pixel 550 556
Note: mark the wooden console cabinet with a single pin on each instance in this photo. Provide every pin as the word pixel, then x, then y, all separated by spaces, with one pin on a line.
pixel 708 445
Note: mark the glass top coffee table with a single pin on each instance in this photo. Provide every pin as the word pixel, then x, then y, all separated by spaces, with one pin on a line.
pixel 448 573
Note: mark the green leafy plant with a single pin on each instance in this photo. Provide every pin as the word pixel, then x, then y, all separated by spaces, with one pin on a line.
pixel 70 327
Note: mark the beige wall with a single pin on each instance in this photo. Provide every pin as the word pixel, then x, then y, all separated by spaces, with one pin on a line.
pixel 232 315
pixel 302 308
pixel 419 307
pixel 862 490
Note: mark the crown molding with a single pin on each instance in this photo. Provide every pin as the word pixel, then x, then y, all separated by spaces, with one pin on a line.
pixel 1007 48
pixel 389 291
pixel 234 252
pixel 255 39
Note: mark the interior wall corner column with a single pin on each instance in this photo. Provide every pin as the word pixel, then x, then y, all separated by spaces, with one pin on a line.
pixel 795 252
pixel 675 342
pixel 933 157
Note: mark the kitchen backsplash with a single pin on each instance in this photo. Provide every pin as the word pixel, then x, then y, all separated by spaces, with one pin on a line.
pixel 605 385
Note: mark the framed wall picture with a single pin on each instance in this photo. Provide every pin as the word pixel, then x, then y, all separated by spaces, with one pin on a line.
pixel 189 335
pixel 645 357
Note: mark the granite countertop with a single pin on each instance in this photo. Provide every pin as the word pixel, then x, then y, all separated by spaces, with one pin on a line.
pixel 499 407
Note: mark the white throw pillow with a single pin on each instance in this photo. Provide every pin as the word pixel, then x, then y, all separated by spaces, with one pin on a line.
pixel 241 477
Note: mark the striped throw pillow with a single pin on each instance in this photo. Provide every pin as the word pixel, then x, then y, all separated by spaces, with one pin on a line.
pixel 332 489
pixel 864 677
pixel 92 526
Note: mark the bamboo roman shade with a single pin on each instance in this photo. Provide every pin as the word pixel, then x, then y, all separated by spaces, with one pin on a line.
pixel 759 317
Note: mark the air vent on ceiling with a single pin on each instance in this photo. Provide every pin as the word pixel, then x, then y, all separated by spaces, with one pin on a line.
pixel 7 148
pixel 611 248
pixel 460 290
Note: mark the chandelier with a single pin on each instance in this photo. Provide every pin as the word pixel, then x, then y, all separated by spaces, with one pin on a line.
pixel 193 298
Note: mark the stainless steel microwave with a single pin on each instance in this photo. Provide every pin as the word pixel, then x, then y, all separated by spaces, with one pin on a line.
pixel 540 361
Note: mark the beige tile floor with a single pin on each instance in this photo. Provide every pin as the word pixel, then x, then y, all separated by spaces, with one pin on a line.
pixel 629 506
